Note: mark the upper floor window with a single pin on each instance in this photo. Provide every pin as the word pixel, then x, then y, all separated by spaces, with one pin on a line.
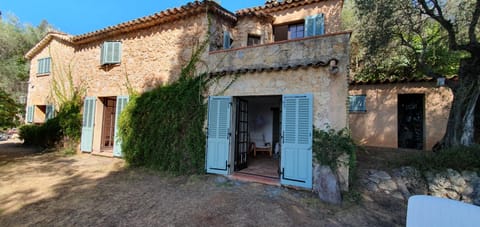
pixel 227 40
pixel 253 40
pixel 357 103
pixel 296 31
pixel 111 53
pixel 311 26
pixel 44 66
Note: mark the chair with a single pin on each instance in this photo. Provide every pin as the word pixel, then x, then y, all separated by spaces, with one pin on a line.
pixel 258 144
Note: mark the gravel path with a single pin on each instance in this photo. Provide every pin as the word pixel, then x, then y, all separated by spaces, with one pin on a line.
pixel 84 190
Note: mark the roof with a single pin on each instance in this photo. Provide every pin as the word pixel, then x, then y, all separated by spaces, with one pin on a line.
pixel 315 64
pixel 46 39
pixel 397 80
pixel 274 6
pixel 162 17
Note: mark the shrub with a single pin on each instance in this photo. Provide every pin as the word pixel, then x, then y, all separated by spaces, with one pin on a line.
pixel 163 128
pixel 330 144
pixel 458 158
pixel 45 135
pixel 70 120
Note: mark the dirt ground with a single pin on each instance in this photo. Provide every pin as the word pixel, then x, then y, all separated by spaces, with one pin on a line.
pixel 50 189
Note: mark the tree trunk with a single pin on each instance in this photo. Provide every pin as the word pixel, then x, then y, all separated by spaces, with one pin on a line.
pixel 461 121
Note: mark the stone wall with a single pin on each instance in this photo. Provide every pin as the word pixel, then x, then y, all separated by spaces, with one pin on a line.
pixel 286 53
pixel 331 9
pixel 40 90
pixel 378 125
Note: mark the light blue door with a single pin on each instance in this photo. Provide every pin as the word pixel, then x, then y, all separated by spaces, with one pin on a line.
pixel 117 146
pixel 88 124
pixel 218 134
pixel 296 149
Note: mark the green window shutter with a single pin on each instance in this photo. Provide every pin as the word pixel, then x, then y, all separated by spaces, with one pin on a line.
pixel 226 40
pixel 40 68
pixel 102 54
pixel 47 65
pixel 44 65
pixel 315 25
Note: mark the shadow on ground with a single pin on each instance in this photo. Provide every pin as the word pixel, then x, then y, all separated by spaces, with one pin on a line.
pixel 85 190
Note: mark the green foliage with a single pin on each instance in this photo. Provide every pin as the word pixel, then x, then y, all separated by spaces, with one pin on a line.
pixel 330 144
pixel 70 120
pixel 8 110
pixel 45 135
pixel 458 158
pixel 163 128
pixel 15 40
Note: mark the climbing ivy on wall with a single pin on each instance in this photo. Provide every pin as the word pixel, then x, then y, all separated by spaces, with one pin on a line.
pixel 163 129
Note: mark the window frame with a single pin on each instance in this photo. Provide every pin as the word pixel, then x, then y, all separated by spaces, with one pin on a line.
pixel 107 53
pixel 297 32
pixel 254 37
pixel 44 66
pixel 353 108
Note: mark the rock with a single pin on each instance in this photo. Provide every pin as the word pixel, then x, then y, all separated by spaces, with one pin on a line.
pixel 382 175
pixel 388 185
pixel 374 180
pixel 412 179
pixel 469 175
pixel 402 187
pixel 342 171
pixel 326 185
pixel 455 178
pixel 371 186
pixel 398 195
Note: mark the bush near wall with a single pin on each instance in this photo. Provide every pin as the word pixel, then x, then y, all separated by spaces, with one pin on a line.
pixel 163 129
pixel 329 144
pixel 67 124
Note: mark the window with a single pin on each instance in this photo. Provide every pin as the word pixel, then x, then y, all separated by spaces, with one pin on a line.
pixel 111 53
pixel 295 31
pixel 311 26
pixel 227 40
pixel 253 40
pixel 29 114
pixel 314 25
pixel 49 112
pixel 44 66
pixel 357 103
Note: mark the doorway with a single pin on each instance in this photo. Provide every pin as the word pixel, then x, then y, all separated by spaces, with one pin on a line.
pixel 108 125
pixel 411 121
pixel 257 135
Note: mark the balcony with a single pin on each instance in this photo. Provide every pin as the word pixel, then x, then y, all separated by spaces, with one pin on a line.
pixel 318 50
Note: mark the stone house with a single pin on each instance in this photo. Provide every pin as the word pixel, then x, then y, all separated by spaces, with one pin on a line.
pixel 406 114
pixel 279 68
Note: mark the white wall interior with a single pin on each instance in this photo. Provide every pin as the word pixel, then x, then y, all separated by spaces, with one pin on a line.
pixel 260 114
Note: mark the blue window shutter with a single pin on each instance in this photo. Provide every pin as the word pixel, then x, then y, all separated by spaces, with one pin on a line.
pixel 226 40
pixel 102 54
pixel 297 129
pixel 111 53
pixel 88 124
pixel 47 65
pixel 30 114
pixel 309 26
pixel 218 140
pixel 315 25
pixel 121 104
pixel 49 112
pixel 116 48
pixel 357 103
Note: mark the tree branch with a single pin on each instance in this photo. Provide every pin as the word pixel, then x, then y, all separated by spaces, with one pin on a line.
pixel 436 13
pixel 473 24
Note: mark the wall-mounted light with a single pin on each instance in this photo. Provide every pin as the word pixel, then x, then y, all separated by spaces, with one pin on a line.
pixel 333 67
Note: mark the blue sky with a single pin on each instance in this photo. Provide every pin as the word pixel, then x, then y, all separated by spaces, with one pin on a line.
pixel 81 16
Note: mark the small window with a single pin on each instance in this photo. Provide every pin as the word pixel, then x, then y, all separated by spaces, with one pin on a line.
pixel 49 112
pixel 227 40
pixel 44 66
pixel 30 113
pixel 357 103
pixel 296 31
pixel 253 40
pixel 111 53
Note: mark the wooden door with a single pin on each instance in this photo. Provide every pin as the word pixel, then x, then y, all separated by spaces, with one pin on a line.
pixel 241 133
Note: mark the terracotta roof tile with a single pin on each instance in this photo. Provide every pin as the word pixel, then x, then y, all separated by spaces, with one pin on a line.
pixel 45 40
pixel 397 80
pixel 165 16
pixel 315 64
pixel 277 6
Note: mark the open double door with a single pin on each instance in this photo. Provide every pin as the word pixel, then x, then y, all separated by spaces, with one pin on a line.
pixel 296 138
